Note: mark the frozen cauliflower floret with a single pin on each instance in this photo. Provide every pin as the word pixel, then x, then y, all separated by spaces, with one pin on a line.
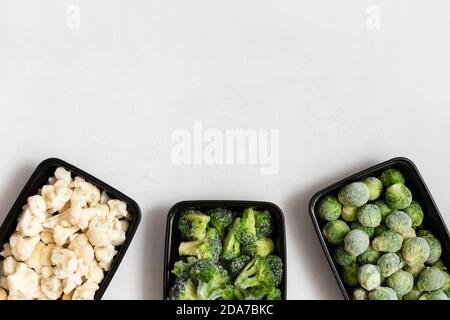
pixel 37 206
pixel 61 234
pixel 22 248
pixel 98 232
pixel 56 196
pixel 125 225
pixel 47 236
pixel 6 252
pixel 9 266
pixel 71 282
pixel 86 291
pixel 3 295
pixel 84 194
pixel 23 284
pixel 81 217
pixel 65 262
pixel 116 234
pixel 64 175
pixel 51 222
pixel 4 283
pixel 45 259
pixel 34 262
pixel 105 256
pixel 95 273
pixel 104 198
pixel 47 272
pixel 29 224
pixel 82 248
pixel 52 287
pixel 117 209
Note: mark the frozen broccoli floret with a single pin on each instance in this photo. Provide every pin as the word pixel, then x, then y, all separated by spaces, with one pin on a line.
pixel 193 224
pixel 261 271
pixel 208 248
pixel 264 224
pixel 231 245
pixel 237 265
pixel 221 219
pixel 211 279
pixel 246 233
pixel 184 289
pixel 182 266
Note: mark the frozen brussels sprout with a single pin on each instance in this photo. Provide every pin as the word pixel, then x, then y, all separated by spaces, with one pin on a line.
pixel 414 294
pixel 401 282
pixel 368 230
pixel 383 293
pixel 434 295
pixel 389 263
pixel 388 241
pixel 392 176
pixel 424 232
pixel 440 265
pixel 375 187
pixel 369 256
pixel 399 222
pixel 415 212
pixel 380 229
pixel 360 294
pixel 369 277
pixel 329 208
pixel 350 275
pixel 435 248
pixel 343 258
pixel 409 233
pixel 431 279
pixel 385 210
pixel 415 251
pixel 415 269
pixel 369 215
pixel 349 213
pixel 335 231
pixel 398 197
pixel 446 286
pixel 356 242
pixel 355 194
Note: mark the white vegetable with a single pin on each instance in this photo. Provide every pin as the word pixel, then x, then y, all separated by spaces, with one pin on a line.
pixel 9 266
pixel 34 261
pixel 64 175
pixel 56 196
pixel 22 248
pixel 47 272
pixel 95 273
pixel 52 287
pixel 82 248
pixel 3 295
pixel 105 256
pixel 65 262
pixel 117 209
pixel 84 194
pixel 104 198
pixel 47 236
pixel 61 234
pixel 71 282
pixel 98 232
pixel 6 252
pixel 22 284
pixel 45 259
pixel 29 224
pixel 81 217
pixel 116 234
pixel 86 291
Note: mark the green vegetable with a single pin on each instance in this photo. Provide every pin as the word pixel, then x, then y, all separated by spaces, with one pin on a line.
pixel 369 256
pixel 356 242
pixel 369 215
pixel 182 266
pixel 349 213
pixel 208 248
pixel 399 222
pixel 415 212
pixel 261 271
pixel 431 279
pixel 343 258
pixel 389 263
pixel 398 196
pixel 383 293
pixel 350 275
pixel 274 294
pixel 237 265
pixel 388 241
pixel 246 233
pixel 434 295
pixel 329 208
pixel 264 247
pixel 369 277
pixel 380 229
pixel 414 294
pixel 193 224
pixel 435 248
pixel 385 210
pixel 355 194
pixel 368 230
pixel 415 251
pixel 401 282
pixel 335 231
pixel 184 289
pixel 375 187
pixel 360 294
pixel 211 280
pixel 264 224
pixel 392 176
pixel 415 269
pixel 231 245
pixel 221 219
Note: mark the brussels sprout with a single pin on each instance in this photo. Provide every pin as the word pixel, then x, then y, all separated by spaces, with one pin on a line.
pixel 355 194
pixel 440 265
pixel 356 242
pixel 369 277
pixel 383 293
pixel 350 275
pixel 409 233
pixel 434 295
pixel 335 231
pixel 415 251
pixel 380 229
pixel 431 279
pixel 415 269
pixel 329 208
pixel 392 176
pixel 402 282
pixel 368 230
pixel 360 294
pixel 435 248
pixel 424 232
pixel 398 196
pixel 385 210
pixel 399 222
pixel 343 258
pixel 369 256
pixel 389 263
pixel 388 241
pixel 375 187
pixel 349 213
pixel 415 212
pixel 446 286
pixel 414 294
pixel 369 215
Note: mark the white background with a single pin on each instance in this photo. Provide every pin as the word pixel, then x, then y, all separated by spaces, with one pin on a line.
pixel 108 96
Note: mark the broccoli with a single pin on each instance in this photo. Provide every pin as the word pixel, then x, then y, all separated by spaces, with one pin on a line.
pixel 237 265
pixel 264 224
pixel 221 219
pixel 262 247
pixel 231 245
pixel 246 234
pixel 183 289
pixel 182 266
pixel 274 294
pixel 208 248
pixel 255 293
pixel 193 224
pixel 211 280
pixel 261 271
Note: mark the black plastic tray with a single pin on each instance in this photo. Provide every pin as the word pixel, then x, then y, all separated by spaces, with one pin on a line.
pixel 173 237
pixel 40 177
pixel 433 219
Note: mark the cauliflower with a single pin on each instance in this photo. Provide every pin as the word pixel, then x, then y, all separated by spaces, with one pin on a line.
pixel 98 232
pixel 117 209
pixel 104 198
pixel 105 256
pixel 61 234
pixel 37 206
pixel 116 234
pixel 34 262
pixel 9 266
pixel 3 295
pixel 71 282
pixel 64 175
pixel 47 272
pixel 47 236
pixel 6 252
pixel 56 196
pixel 86 291
pixel 81 217
pixel 52 287
pixel 22 248
pixel 45 259
pixel 23 283
pixel 95 273
pixel 125 225
pixel 82 248
pixel 51 222
pixel 84 194
pixel 65 262
pixel 29 224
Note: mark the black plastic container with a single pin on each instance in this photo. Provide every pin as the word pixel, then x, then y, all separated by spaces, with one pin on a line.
pixel 173 237
pixel 433 219
pixel 40 178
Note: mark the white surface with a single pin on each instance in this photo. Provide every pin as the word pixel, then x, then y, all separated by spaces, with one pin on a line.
pixel 108 96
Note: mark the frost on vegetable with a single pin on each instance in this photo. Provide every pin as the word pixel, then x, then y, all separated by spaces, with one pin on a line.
pixel 369 216
pixel 356 242
pixel 355 194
